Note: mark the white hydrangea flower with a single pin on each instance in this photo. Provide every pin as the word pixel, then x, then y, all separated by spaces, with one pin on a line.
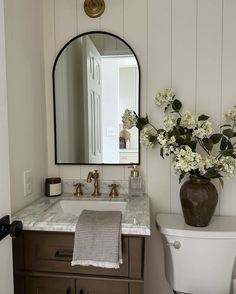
pixel 147 132
pixel 129 119
pixel 204 130
pixel 164 98
pixel 230 114
pixel 206 163
pixel 166 143
pixel 188 120
pixel 185 160
pixel 169 123
pixel 228 166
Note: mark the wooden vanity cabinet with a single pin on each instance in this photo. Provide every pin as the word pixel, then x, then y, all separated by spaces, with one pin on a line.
pixel 38 285
pixel 42 265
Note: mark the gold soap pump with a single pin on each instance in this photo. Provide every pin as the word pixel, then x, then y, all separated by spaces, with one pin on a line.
pixel 135 182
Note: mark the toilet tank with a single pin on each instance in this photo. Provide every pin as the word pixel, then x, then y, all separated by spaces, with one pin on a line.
pixel 199 260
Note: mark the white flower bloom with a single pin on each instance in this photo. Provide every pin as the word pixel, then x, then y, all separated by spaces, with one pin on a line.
pixel 166 143
pixel 188 120
pixel 129 119
pixel 185 160
pixel 204 130
pixel 165 97
pixel 169 123
pixel 230 114
pixel 147 133
pixel 228 166
pixel 206 163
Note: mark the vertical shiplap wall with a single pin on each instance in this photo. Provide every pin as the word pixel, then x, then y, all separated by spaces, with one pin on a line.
pixel 187 44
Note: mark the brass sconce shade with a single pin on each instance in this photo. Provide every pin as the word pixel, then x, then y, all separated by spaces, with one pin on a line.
pixel 94 8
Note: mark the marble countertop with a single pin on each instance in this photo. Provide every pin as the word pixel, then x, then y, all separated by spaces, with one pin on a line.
pixel 38 217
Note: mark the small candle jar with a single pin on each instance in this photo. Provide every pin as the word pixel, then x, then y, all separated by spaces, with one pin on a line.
pixel 53 187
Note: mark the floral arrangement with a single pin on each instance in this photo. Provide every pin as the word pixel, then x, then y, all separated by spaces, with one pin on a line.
pixel 189 139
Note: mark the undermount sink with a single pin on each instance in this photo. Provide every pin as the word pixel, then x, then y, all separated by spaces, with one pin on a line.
pixel 75 207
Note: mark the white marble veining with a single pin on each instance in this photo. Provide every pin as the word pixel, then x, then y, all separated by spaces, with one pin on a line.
pixel 38 217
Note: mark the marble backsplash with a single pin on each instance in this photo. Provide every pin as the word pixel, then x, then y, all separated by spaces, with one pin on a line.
pixel 88 188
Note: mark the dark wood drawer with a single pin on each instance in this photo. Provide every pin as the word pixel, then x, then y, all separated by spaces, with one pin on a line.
pixel 52 252
pixel 36 285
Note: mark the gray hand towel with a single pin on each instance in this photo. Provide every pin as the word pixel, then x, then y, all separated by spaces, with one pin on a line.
pixel 98 239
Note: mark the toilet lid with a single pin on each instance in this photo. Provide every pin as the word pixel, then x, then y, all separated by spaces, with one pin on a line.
pixel 220 227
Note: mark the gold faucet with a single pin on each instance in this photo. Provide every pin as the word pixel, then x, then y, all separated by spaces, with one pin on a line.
pixel 94 175
pixel 114 192
pixel 78 190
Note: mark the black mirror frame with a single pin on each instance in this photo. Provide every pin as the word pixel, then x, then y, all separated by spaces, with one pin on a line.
pixel 54 100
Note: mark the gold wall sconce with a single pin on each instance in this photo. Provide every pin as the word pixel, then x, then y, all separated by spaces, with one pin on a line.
pixel 94 8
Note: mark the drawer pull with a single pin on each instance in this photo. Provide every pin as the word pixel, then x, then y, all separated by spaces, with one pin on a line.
pixel 64 254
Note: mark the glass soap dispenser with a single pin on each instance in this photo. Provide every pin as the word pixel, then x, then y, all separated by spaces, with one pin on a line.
pixel 136 185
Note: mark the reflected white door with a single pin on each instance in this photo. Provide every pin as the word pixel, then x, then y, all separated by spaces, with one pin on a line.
pixel 6 276
pixel 94 92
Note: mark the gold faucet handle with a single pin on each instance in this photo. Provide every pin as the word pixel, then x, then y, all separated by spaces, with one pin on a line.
pixel 114 192
pixel 78 190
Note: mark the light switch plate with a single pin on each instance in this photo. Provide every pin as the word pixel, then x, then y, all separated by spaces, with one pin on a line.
pixel 28 183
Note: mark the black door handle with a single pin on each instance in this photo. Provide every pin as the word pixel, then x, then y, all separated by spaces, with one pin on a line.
pixel 81 291
pixel 68 291
pixel 6 228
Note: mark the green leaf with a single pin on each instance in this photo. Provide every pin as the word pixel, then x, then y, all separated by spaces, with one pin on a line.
pixel 230 145
pixel 176 105
pixel 208 144
pixel 193 145
pixel 228 152
pixel 181 176
pixel 227 125
pixel 216 138
pixel 142 122
pixel 221 182
pixel 229 133
pixel 223 144
pixel 203 117
pixel 178 121
pixel 212 174
pixel 180 141
pixel 161 152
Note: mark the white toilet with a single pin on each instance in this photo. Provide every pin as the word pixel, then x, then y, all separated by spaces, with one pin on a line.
pixel 199 260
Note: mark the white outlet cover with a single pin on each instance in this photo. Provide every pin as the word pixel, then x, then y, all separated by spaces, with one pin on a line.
pixel 28 183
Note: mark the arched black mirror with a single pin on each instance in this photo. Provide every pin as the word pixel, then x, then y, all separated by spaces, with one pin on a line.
pixel 96 76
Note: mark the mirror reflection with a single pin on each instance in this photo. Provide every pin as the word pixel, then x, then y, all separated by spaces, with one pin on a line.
pixel 95 78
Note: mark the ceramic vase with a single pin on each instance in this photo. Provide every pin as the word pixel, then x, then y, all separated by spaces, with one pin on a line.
pixel 198 198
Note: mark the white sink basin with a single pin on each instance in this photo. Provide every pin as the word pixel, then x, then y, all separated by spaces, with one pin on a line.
pixel 75 207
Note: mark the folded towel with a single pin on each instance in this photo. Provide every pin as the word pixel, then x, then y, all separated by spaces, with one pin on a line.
pixel 98 239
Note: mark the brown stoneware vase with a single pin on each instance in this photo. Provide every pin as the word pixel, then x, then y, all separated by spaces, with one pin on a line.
pixel 198 198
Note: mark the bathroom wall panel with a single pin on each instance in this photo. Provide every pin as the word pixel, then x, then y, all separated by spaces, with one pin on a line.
pixel 49 57
pixel 64 30
pixel 158 169
pixel 115 11
pixel 209 58
pixel 85 23
pixel 158 77
pixel 26 101
pixel 228 201
pixel 183 69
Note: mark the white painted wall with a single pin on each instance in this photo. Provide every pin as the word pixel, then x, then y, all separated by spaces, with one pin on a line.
pixel 187 44
pixel 26 92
